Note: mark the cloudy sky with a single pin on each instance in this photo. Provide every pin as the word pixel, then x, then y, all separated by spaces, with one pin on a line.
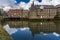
pixel 26 4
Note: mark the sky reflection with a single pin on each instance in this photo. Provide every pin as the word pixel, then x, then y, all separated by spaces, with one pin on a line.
pixel 13 30
pixel 26 34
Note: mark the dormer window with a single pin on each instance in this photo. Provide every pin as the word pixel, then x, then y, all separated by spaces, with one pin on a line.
pixel 41 7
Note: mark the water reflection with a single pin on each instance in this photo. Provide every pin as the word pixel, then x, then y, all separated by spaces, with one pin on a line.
pixel 10 30
pixel 29 30
pixel 19 33
pixel 46 37
pixel 13 30
pixel 45 27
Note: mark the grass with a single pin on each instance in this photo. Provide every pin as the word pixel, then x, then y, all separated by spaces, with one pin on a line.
pixel 3 34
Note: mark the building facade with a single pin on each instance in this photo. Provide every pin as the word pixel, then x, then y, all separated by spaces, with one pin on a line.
pixel 17 13
pixel 43 12
pixel 14 13
pixel 58 11
pixel 25 13
pixel 36 12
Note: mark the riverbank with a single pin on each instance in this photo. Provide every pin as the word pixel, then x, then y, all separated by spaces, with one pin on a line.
pixel 3 34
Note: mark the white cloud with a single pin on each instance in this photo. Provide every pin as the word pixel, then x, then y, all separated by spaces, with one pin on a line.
pixel 22 29
pixel 45 34
pixel 7 3
pixel 13 30
pixel 26 6
pixel 10 30
pixel 55 2
pixel 48 2
pixel 6 8
pixel 54 33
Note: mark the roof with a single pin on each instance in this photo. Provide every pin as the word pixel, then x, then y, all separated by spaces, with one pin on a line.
pixel 14 10
pixel 58 5
pixel 45 6
pixel 35 7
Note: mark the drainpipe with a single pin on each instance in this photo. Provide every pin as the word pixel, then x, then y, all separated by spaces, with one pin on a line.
pixel 49 13
pixel 36 13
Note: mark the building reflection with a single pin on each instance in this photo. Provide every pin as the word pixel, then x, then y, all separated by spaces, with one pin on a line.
pixel 37 27
pixel 57 23
pixel 45 27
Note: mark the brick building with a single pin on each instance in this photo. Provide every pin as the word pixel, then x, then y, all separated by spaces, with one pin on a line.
pixel 35 12
pixel 17 13
pixel 14 13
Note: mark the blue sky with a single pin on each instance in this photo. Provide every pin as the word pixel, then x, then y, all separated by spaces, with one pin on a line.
pixel 26 1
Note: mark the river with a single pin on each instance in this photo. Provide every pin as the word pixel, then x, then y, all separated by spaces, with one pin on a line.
pixel 33 30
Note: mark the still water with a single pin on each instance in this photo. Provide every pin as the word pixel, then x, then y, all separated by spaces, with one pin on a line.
pixel 30 30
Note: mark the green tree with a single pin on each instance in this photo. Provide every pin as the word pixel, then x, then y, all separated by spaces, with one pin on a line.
pixel 0 13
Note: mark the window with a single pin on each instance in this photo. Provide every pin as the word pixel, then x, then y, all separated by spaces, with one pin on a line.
pixel 18 15
pixel 14 13
pixel 8 15
pixel 41 16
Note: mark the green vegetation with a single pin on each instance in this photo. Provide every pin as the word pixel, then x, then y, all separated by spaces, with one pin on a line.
pixel 3 34
pixel 0 13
